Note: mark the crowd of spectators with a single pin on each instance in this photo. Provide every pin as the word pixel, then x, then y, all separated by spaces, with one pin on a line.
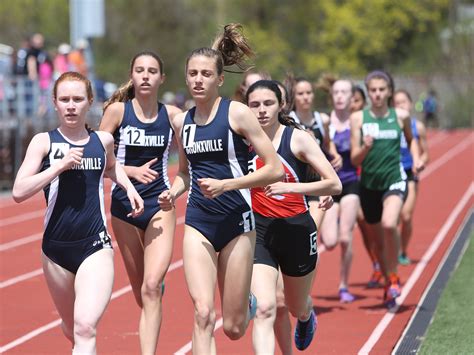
pixel 27 73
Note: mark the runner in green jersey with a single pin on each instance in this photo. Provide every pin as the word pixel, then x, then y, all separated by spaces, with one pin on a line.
pixel 375 144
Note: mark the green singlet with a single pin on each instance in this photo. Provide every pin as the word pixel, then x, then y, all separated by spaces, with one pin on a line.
pixel 381 166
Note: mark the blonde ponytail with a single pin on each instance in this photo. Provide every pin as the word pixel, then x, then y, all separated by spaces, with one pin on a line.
pixel 123 93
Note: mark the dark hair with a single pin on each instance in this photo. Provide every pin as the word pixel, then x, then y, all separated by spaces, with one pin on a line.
pixel 126 91
pixel 272 85
pixel 229 48
pixel 239 94
pixel 357 88
pixel 285 90
pixel 381 74
pixel 406 93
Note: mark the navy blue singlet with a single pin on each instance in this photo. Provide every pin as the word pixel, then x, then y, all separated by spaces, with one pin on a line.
pixel 136 143
pixel 75 222
pixel 215 151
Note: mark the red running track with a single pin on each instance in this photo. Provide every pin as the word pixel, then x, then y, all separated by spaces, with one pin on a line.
pixel 29 321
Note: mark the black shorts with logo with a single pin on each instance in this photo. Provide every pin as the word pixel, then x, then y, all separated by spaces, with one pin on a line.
pixel 289 243
pixel 371 201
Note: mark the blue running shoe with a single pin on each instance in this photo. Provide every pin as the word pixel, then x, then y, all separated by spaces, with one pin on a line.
pixel 345 296
pixel 252 306
pixel 304 331
pixel 403 259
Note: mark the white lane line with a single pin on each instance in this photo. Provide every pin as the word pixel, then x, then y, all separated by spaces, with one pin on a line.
pixel 428 290
pixel 57 322
pixel 28 275
pixel 20 278
pixel 37 272
pixel 30 335
pixel 21 218
pixel 21 241
pixel 38 236
pixel 188 347
pixel 450 154
pixel 387 318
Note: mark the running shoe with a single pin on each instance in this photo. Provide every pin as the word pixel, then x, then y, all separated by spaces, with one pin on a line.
pixel 345 296
pixel 375 280
pixel 252 306
pixel 403 259
pixel 392 290
pixel 304 331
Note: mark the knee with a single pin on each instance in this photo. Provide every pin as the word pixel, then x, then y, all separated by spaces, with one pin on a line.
pixel 300 313
pixel 266 310
pixel 204 315
pixel 389 226
pixel 329 241
pixel 151 288
pixel 346 246
pixel 233 329
pixel 84 329
pixel 406 218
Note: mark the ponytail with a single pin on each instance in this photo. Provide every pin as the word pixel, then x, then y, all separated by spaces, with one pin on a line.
pixel 124 93
pixel 229 48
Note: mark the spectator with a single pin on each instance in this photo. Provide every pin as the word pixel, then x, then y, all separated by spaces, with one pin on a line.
pixel 77 57
pixel 5 67
pixel 19 65
pixel 45 80
pixel 35 55
pixel 61 61
pixel 430 108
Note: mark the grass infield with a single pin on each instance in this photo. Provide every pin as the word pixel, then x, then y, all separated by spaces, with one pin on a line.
pixel 451 329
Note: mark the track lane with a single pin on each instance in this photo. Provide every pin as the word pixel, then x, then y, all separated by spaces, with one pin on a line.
pixel 178 312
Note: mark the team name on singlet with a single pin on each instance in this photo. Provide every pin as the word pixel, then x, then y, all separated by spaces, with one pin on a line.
pixel 59 151
pixel 88 164
pixel 204 146
pixel 137 137
pixel 373 129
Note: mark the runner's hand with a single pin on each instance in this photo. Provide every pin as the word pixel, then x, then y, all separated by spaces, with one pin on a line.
pixel 211 188
pixel 325 202
pixel 166 200
pixel 136 201
pixel 144 173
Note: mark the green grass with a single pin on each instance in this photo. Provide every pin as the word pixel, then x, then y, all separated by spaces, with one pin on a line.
pixel 451 331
